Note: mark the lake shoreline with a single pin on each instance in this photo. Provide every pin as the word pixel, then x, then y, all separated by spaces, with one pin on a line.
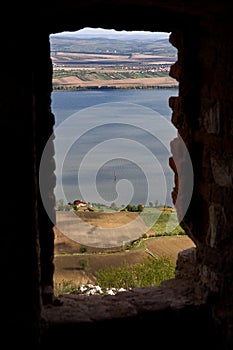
pixel 61 88
pixel 73 83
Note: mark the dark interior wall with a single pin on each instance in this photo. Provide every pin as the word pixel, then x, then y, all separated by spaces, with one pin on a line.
pixel 20 234
pixel 27 122
pixel 213 136
pixel 202 114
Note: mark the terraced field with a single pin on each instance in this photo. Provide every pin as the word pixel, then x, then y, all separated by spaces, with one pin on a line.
pixel 69 260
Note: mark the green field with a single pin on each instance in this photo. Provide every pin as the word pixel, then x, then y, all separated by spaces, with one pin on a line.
pixel 162 223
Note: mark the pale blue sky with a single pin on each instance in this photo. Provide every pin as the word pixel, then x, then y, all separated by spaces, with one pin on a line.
pixel 111 33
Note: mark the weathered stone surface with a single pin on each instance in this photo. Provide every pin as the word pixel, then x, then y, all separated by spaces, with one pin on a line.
pixel 222 169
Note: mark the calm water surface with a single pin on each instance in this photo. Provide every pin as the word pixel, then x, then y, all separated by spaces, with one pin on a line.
pixel 113 146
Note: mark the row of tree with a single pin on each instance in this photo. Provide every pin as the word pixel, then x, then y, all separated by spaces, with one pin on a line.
pixel 134 208
pixel 62 206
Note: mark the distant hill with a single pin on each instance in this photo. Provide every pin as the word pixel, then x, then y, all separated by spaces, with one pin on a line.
pixel 110 59
pixel 91 33
pixel 120 46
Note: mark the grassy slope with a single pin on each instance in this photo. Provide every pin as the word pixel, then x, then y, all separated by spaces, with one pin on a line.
pixel 70 264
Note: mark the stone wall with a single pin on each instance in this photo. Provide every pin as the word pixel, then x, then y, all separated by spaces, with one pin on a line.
pixel 203 116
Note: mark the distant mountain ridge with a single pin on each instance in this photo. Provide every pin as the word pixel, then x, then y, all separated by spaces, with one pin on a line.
pixel 117 45
pixel 99 33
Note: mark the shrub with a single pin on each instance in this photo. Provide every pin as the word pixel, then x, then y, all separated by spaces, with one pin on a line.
pixel 83 264
pixel 64 287
pixel 83 249
pixel 150 272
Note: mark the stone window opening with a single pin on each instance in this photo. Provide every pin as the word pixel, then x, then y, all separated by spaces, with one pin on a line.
pixel 171 161
pixel 172 292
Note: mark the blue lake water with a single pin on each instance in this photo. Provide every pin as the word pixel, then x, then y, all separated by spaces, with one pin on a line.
pixel 113 146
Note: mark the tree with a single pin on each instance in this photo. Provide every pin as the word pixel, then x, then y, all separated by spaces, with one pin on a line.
pixel 113 206
pixel 140 207
pixel 61 206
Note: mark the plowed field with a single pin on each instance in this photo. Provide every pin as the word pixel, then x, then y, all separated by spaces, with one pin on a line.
pixel 69 260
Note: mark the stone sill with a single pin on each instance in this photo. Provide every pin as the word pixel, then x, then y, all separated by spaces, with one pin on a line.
pixel 172 294
pixel 168 311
